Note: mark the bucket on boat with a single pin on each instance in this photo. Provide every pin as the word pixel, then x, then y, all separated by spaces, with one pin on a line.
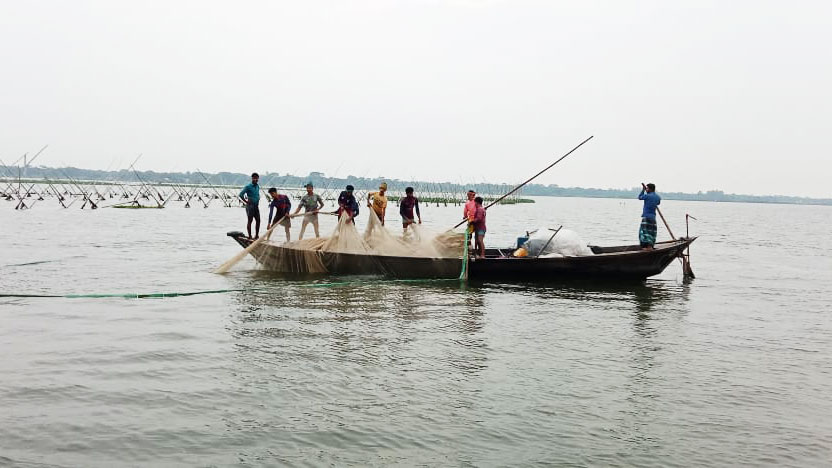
pixel 521 241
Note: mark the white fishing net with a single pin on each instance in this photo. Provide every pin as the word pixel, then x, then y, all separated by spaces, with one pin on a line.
pixel 566 243
pixel 306 256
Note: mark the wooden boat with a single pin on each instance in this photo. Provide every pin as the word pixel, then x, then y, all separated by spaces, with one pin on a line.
pixel 621 262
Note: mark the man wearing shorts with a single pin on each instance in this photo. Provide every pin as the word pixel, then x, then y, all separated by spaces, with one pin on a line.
pixel 280 206
pixel 250 196
pixel 311 204
pixel 477 220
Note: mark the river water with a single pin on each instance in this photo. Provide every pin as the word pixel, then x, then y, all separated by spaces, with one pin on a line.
pixel 733 368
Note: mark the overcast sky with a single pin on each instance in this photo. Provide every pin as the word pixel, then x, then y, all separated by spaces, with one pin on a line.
pixel 731 95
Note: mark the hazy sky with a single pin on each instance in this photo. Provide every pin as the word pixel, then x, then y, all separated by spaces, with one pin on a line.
pixel 731 95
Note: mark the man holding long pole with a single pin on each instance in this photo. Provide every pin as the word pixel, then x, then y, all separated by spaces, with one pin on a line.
pixel 647 231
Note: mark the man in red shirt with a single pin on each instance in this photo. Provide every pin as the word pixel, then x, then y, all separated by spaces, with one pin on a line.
pixel 407 205
pixel 477 222
pixel 280 206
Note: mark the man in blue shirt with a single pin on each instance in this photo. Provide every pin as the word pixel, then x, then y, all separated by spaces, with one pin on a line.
pixel 250 196
pixel 647 232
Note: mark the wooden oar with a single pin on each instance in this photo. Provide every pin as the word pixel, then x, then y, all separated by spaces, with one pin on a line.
pixel 530 179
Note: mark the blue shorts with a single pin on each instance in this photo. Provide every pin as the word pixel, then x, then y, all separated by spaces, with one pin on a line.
pixel 253 212
pixel 480 232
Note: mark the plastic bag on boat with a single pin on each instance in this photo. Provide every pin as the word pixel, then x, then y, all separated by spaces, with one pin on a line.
pixel 566 243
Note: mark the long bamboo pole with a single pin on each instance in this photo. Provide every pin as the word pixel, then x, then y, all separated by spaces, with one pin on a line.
pixel 530 179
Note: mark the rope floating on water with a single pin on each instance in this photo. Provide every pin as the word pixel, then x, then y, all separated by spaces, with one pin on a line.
pixel 159 295
pixel 364 282
pixel 463 274
pixel 125 295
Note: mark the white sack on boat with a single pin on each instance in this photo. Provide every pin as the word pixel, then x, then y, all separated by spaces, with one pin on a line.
pixel 566 243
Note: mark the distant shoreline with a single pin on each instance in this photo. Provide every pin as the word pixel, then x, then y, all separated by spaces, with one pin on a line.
pixel 40 174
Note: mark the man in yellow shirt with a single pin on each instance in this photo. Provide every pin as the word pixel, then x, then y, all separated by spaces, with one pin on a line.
pixel 378 201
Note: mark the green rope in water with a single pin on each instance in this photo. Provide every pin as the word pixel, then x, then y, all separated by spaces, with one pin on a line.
pixel 215 291
pixel 364 282
pixel 127 295
pixel 463 275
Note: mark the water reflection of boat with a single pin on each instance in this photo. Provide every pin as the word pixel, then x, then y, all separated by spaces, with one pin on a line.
pixel 621 262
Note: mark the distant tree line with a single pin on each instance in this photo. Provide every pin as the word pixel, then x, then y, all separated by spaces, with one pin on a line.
pixel 710 195
pixel 320 180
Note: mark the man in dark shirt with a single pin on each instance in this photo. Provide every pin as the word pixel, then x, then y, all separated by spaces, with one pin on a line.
pixel 280 206
pixel 347 204
pixel 406 207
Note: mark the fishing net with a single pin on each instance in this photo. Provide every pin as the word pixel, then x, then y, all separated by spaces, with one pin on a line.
pixel 294 260
pixel 308 255
pixel 415 242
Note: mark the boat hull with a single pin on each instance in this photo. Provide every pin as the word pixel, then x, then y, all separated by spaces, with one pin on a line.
pixel 621 262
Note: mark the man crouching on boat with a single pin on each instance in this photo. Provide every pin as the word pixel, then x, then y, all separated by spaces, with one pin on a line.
pixel 377 201
pixel 647 231
pixel 250 196
pixel 347 204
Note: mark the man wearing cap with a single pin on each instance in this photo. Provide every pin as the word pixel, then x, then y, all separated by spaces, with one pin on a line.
pixel 378 201
pixel 311 203
pixel 250 196
pixel 347 204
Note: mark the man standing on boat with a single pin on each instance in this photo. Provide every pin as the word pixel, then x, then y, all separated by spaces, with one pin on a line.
pixel 378 201
pixel 347 204
pixel 647 231
pixel 476 222
pixel 250 196
pixel 311 203
pixel 468 212
pixel 406 207
pixel 280 206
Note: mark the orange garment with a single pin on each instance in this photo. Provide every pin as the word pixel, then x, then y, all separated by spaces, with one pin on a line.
pixel 379 203
pixel 469 209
